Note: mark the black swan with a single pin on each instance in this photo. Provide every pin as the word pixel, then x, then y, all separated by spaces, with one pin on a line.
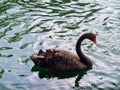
pixel 62 60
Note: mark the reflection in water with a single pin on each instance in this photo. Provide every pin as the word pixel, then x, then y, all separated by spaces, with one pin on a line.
pixel 43 73
pixel 1 72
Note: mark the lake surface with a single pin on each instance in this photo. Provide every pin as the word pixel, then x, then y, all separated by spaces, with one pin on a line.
pixel 29 25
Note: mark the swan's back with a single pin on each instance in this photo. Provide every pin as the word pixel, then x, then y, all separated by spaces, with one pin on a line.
pixel 58 60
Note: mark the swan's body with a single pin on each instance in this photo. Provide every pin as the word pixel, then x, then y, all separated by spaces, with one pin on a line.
pixel 64 60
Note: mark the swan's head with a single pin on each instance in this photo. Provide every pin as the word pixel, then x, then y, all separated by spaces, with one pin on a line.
pixel 91 37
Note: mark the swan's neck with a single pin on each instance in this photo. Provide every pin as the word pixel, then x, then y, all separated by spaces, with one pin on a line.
pixel 83 58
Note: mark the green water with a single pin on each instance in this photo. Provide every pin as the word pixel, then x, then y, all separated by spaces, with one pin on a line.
pixel 29 25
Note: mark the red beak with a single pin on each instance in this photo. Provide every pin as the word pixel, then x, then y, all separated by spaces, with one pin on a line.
pixel 95 41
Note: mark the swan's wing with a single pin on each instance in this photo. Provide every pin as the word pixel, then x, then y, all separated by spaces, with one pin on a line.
pixel 67 61
pixel 58 60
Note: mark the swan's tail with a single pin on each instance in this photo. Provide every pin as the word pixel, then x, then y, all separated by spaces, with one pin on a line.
pixel 42 58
